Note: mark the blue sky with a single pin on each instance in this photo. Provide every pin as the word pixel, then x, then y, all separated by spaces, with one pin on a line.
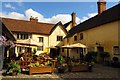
pixel 51 12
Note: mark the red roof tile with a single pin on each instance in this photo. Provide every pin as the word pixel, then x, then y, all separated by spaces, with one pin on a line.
pixel 28 26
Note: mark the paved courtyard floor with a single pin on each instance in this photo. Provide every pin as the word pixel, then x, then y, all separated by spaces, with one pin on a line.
pixel 99 71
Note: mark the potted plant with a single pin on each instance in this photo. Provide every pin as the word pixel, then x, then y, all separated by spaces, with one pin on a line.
pixel 60 64
pixel 13 68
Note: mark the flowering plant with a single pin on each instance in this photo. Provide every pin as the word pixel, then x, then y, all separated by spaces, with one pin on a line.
pixel 5 42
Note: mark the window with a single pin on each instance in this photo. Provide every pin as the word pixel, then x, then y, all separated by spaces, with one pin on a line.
pixel 75 38
pixel 23 49
pixel 22 36
pixel 116 50
pixel 81 36
pixel 17 35
pixel 40 48
pixel 40 39
pixel 62 49
pixel 59 38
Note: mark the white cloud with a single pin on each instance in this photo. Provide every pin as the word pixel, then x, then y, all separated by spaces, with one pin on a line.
pixel 30 12
pixel 9 6
pixel 92 14
pixel 89 15
pixel 64 18
pixel 13 15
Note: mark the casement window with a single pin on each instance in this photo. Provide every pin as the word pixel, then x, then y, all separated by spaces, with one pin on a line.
pixel 22 36
pixel 59 38
pixel 75 38
pixel 116 50
pixel 23 49
pixel 81 36
pixel 40 39
pixel 40 48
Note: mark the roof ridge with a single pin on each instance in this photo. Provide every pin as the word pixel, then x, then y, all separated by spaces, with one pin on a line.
pixel 27 21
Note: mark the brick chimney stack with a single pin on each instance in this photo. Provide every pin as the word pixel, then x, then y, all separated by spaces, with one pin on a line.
pixel 73 19
pixel 32 19
pixel 101 6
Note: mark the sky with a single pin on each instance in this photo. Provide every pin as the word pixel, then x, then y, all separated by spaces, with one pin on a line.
pixel 51 12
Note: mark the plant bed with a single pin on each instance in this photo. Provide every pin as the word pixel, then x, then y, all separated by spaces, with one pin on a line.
pixel 43 69
pixel 84 66
pixel 81 68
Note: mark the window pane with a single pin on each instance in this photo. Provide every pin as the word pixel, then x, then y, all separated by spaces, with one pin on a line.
pixel 17 35
pixel 81 36
pixel 59 38
pixel 40 48
pixel 75 38
pixel 40 39
pixel 116 50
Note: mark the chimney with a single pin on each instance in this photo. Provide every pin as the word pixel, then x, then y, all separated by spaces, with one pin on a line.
pixel 73 19
pixel 32 19
pixel 101 6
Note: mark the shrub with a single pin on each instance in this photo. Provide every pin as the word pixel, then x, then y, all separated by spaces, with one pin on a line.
pixel 91 56
pixel 104 55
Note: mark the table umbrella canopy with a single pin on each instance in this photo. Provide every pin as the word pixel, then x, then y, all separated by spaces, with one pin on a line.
pixel 76 45
pixel 67 46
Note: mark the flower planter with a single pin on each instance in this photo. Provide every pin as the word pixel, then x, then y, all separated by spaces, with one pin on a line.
pixel 81 68
pixel 44 69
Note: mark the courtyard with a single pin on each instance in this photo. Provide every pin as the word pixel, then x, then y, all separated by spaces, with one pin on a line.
pixel 99 71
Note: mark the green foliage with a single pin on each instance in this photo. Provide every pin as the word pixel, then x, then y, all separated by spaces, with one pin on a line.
pixel 34 52
pixel 50 63
pixel 60 59
pixel 91 56
pixel 104 54
pixel 37 64
pixel 14 66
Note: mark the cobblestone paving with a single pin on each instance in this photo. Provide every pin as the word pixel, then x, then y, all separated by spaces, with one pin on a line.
pixel 98 72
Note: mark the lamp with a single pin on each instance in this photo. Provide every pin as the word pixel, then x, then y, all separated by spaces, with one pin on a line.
pixel 97 43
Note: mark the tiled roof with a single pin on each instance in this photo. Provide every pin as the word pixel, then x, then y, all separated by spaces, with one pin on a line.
pixel 66 24
pixel 59 23
pixel 6 32
pixel 107 16
pixel 28 26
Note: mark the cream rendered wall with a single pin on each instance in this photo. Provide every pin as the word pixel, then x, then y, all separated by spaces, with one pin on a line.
pixel 69 27
pixel 45 41
pixel 34 40
pixel 53 37
pixel 106 34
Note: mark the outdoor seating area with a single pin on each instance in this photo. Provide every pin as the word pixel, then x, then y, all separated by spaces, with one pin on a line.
pixel 45 64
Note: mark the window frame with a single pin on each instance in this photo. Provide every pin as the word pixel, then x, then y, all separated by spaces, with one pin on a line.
pixel 40 48
pixel 81 36
pixel 75 38
pixel 41 39
pixel 59 38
